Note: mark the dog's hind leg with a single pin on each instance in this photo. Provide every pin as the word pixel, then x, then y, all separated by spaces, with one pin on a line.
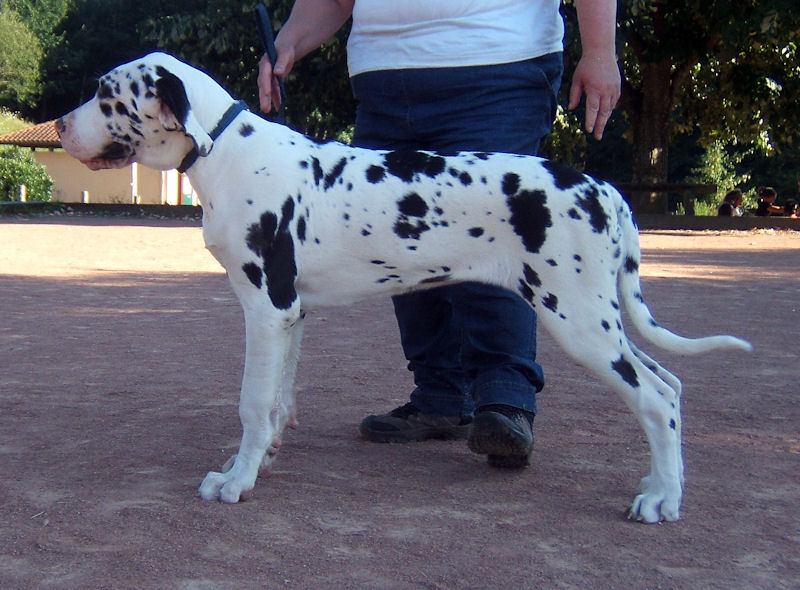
pixel 268 335
pixel 652 400
pixel 677 387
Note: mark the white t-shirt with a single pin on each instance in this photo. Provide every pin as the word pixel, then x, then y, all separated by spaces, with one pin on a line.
pixel 400 34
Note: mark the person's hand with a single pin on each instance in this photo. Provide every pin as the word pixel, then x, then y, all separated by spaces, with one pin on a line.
pixel 598 78
pixel 269 91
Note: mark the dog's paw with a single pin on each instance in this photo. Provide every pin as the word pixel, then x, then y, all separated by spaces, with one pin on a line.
pixel 655 503
pixel 225 487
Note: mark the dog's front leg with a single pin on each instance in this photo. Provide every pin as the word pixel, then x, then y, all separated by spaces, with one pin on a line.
pixel 284 412
pixel 269 337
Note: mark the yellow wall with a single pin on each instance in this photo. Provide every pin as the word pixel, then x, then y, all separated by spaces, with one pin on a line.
pixel 106 186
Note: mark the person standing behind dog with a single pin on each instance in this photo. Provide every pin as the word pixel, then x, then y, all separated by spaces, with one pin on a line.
pixel 448 77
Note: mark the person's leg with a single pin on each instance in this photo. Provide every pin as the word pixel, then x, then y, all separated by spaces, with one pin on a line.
pixel 503 108
pixel 498 108
pixel 441 404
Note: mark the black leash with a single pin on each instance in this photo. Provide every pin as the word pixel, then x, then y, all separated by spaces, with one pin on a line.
pixel 265 32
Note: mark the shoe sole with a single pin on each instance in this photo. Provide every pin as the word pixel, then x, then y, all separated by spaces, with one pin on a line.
pixel 420 435
pixel 498 437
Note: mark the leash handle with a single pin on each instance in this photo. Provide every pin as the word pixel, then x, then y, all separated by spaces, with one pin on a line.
pixel 264 24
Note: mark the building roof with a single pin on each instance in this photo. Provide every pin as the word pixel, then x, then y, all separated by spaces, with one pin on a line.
pixel 42 135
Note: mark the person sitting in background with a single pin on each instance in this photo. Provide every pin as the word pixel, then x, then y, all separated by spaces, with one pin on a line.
pixel 791 209
pixel 766 202
pixel 732 204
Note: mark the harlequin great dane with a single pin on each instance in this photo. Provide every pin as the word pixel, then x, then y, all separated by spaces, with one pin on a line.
pixel 299 224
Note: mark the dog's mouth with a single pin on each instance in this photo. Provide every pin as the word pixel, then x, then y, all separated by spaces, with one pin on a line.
pixel 114 155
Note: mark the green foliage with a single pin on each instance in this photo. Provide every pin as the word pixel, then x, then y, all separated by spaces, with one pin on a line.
pixel 20 57
pixel 567 143
pixel 728 70
pixel 221 37
pixel 10 121
pixel 720 166
pixel 18 167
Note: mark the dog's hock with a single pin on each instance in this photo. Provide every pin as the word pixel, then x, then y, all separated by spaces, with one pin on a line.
pixel 176 112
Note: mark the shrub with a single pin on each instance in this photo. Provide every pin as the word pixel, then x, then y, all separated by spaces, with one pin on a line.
pixel 18 167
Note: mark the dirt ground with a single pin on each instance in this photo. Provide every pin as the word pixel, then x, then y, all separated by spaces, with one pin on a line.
pixel 121 348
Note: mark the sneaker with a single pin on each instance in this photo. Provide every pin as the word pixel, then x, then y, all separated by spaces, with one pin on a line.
pixel 408 424
pixel 504 433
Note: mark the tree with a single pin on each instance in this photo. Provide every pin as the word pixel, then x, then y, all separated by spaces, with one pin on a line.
pixel 20 57
pixel 221 38
pixel 725 68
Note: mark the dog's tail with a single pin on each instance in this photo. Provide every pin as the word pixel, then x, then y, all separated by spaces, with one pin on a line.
pixel 631 298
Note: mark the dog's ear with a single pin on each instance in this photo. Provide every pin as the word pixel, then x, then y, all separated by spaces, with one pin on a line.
pixel 176 112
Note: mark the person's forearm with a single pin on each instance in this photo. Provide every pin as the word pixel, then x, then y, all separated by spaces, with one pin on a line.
pixel 311 23
pixel 597 21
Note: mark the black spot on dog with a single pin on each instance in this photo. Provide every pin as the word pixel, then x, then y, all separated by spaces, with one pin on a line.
pixel 550 302
pixel 375 174
pixel 303 164
pixel 135 88
pixel 476 232
pixel 106 109
pixel 335 172
pixel 407 164
pixel 318 173
pixel 564 177
pixel 526 291
pixel 606 325
pixel 672 424
pixel 590 203
pixel 253 272
pixel 551 262
pixel 301 229
pixel 510 184
pixel 407 230
pixel 531 276
pixel 115 151
pixel 573 213
pixel 121 109
pixel 105 91
pixel 377 262
pixel 530 218
pixel 412 205
pixel 246 130
pixel 631 265
pixel 272 241
pixel 626 371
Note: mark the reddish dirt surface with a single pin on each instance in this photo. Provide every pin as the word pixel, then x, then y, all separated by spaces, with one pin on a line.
pixel 121 350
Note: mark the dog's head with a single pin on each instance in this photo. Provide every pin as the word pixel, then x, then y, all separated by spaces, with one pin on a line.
pixel 141 112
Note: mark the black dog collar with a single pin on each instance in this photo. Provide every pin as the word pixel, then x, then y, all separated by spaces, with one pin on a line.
pixel 227 118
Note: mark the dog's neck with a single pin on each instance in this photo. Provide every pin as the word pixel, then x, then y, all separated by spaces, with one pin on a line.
pixel 225 120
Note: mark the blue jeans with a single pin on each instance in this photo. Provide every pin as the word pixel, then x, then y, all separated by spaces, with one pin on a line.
pixel 469 344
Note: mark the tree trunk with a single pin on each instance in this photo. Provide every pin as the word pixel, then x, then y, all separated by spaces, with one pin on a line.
pixel 650 122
